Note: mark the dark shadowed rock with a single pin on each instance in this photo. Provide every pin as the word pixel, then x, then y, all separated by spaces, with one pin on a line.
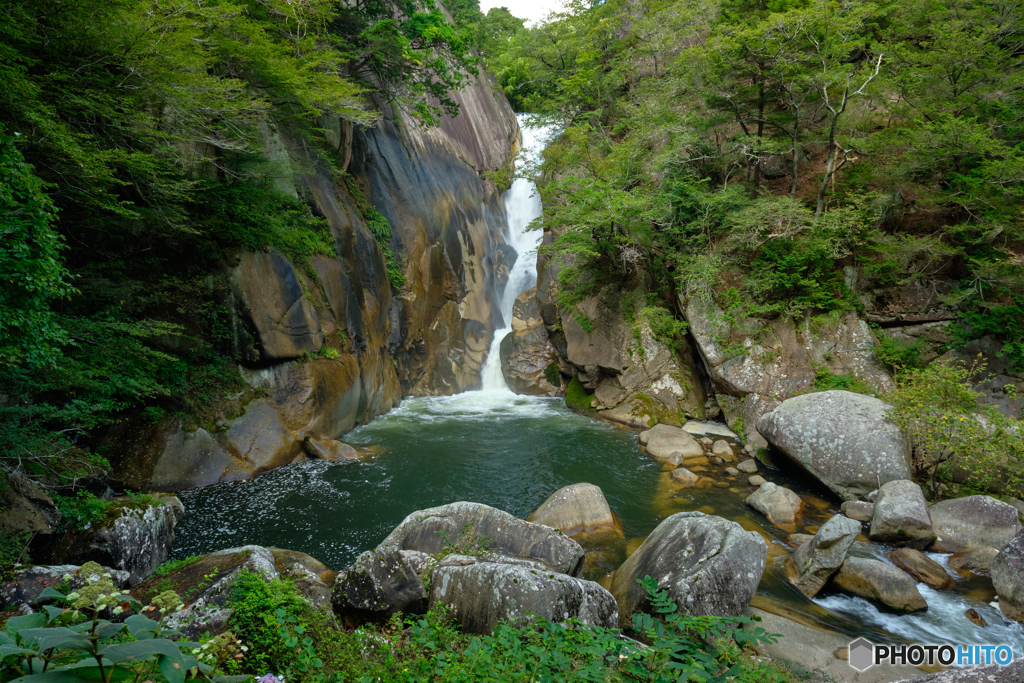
pixel 426 531
pixel 708 565
pixel 879 582
pixel 922 568
pixel 578 509
pixel 993 673
pixel 527 353
pixel 330 450
pixel 972 523
pixel 818 559
pixel 1008 578
pixel 283 559
pixel 842 439
pixel 778 504
pixel 901 516
pixel 272 297
pixel 482 593
pixel 378 584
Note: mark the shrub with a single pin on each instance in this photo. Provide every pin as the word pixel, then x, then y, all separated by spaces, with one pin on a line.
pixel 949 428
pixel 896 354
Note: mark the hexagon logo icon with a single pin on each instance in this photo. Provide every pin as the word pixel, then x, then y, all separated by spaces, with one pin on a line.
pixel 862 654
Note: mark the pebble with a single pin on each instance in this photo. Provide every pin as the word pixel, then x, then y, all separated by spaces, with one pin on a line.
pixel 756 480
pixel 732 471
pixel 748 466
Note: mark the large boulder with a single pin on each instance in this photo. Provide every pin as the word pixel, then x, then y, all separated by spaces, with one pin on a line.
pixel 778 504
pixel 818 559
pixel 840 438
pixel 666 442
pixel 1008 578
pixel 481 593
pixel 901 516
pixel 922 568
pixel 381 582
pixel 527 355
pixel 136 536
pixel 973 523
pixel 428 530
pixel 708 565
pixel 578 509
pixel 879 582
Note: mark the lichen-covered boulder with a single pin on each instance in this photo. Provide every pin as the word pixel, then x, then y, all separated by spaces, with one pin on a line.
pixel 578 509
pixel 818 559
pixel 481 593
pixel 901 516
pixel 922 568
pixel 428 530
pixel 859 510
pixel 973 523
pixel 879 582
pixel 840 438
pixel 1008 578
pixel 778 504
pixel 27 583
pixel 378 584
pixel 665 442
pixel 708 565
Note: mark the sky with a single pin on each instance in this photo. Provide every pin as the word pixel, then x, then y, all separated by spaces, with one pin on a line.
pixel 531 10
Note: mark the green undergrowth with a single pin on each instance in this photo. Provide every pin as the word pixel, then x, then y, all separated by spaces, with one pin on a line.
pixel 174 565
pixel 577 396
pixel 83 510
pixel 287 637
pixel 825 380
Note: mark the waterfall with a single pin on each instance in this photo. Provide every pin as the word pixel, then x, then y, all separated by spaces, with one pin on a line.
pixel 522 205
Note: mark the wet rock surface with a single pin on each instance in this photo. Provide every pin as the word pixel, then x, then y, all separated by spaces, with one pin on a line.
pixel 840 438
pixel 708 565
pixel 881 583
pixel 922 568
pixel 1008 578
pixel 527 352
pixel 665 442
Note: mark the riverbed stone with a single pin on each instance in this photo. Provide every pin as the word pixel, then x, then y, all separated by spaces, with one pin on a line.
pixel 797 540
pixel 665 441
pixel 881 583
pixel 777 503
pixel 1008 578
pixel 756 480
pixel 859 510
pixel 840 438
pixel 732 471
pixel 480 594
pixel 708 565
pixel 818 559
pixel 683 476
pixel 721 447
pixel 974 561
pixel 578 509
pixel 378 584
pixel 749 466
pixel 901 516
pixel 972 523
pixel 426 531
pixel 922 568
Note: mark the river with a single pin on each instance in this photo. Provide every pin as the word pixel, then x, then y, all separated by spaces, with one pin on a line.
pixel 512 452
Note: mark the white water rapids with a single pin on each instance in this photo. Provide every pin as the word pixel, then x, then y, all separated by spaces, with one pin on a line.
pixel 522 205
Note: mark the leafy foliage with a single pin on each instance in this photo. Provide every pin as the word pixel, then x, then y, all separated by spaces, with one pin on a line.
pixel 951 431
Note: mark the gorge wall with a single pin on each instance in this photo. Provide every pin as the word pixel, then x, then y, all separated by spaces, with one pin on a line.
pixel 332 343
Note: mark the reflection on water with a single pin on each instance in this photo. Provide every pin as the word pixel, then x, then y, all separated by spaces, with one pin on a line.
pixel 512 452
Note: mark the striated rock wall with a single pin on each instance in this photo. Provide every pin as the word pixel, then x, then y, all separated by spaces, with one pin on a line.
pixel 329 343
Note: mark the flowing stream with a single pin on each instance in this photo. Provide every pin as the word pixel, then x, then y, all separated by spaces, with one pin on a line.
pixel 512 452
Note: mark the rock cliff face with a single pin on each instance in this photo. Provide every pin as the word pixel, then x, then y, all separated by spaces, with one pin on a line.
pixel 329 344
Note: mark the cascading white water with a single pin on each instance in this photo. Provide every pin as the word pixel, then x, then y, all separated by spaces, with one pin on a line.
pixel 522 205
